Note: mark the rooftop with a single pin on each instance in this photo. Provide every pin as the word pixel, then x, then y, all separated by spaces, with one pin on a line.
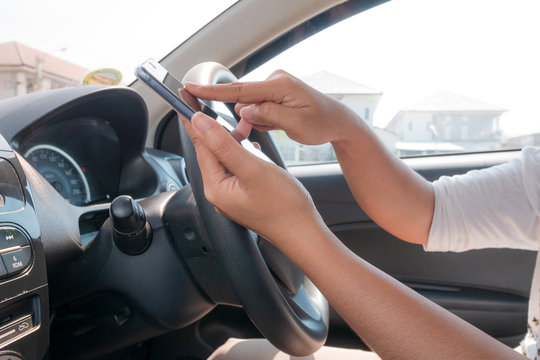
pixel 13 54
pixel 447 101
pixel 332 84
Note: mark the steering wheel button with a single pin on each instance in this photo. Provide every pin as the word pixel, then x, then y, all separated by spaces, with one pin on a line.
pixel 12 237
pixel 17 260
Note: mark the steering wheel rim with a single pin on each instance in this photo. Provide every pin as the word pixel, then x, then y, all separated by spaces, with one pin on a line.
pixel 296 323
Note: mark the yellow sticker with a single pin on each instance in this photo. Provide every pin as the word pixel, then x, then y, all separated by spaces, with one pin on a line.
pixel 103 77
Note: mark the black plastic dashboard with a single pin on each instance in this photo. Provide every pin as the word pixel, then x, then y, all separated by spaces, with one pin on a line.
pixel 102 129
pixel 88 144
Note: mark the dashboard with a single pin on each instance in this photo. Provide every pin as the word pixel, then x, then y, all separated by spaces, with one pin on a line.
pixel 89 143
pixel 72 152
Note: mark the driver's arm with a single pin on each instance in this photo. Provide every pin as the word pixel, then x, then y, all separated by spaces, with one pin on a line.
pixel 396 322
pixel 392 194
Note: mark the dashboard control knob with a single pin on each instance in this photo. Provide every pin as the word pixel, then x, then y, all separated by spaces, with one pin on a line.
pixel 132 234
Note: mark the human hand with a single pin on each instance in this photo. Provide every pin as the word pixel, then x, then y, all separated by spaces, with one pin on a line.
pixel 254 193
pixel 242 129
pixel 284 102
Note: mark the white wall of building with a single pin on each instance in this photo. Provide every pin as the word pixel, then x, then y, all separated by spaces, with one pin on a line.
pixel 8 85
pixel 415 127
pixel 363 105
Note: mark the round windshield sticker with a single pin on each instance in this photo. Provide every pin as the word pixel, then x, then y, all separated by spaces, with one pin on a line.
pixel 103 77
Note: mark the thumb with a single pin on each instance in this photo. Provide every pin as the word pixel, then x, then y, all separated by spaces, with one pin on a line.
pixel 224 147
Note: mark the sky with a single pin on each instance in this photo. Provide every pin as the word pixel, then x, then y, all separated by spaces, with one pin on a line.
pixel 408 49
pixel 105 33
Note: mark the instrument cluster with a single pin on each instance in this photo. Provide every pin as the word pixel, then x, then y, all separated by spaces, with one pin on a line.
pixel 80 158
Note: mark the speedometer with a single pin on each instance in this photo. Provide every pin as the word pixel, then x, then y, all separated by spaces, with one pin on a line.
pixel 61 171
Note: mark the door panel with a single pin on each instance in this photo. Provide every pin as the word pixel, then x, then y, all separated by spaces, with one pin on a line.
pixel 488 288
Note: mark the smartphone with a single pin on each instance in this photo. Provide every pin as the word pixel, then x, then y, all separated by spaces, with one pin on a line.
pixel 168 87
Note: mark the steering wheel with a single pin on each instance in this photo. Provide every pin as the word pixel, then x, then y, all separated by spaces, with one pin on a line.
pixel 280 300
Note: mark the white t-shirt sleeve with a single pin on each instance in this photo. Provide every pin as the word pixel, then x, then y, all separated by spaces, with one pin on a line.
pixel 498 207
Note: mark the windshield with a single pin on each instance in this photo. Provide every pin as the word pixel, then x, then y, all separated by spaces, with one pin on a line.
pixel 57 43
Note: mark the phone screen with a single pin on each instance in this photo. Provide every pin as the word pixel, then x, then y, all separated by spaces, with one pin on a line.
pixel 171 83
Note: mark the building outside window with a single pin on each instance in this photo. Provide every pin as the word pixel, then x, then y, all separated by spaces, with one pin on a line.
pixel 25 70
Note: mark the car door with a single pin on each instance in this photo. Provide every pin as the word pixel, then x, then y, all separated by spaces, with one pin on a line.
pixel 449 90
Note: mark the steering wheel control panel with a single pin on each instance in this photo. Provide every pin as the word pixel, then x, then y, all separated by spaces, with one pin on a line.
pixel 24 299
pixel 15 251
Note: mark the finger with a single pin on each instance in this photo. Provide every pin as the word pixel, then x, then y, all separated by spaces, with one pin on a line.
pixel 241 131
pixel 267 114
pixel 212 170
pixel 237 136
pixel 257 145
pixel 264 128
pixel 190 99
pixel 188 126
pixel 244 128
pixel 222 145
pixel 252 92
pixel 239 106
pixel 278 74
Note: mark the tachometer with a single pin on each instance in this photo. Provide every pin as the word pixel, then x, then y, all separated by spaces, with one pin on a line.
pixel 61 171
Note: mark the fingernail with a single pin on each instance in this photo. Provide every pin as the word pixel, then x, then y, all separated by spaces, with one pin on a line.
pixel 247 112
pixel 201 122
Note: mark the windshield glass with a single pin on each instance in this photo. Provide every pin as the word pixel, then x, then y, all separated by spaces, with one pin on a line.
pixel 57 43
pixel 430 76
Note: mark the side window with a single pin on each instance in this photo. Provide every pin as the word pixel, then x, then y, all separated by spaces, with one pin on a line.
pixel 430 76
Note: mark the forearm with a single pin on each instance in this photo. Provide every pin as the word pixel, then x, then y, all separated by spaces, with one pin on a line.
pixel 393 320
pixel 393 195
